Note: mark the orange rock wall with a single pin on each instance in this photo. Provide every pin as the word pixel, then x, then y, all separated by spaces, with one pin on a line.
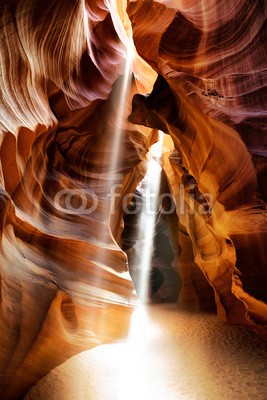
pixel 64 282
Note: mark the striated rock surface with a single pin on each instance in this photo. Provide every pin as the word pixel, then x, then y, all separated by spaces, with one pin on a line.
pixel 212 60
pixel 64 280
pixel 65 94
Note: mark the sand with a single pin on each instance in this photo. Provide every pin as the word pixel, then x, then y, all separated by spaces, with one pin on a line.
pixel 169 355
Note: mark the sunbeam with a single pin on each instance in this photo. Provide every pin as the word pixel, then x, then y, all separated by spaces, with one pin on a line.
pixel 150 186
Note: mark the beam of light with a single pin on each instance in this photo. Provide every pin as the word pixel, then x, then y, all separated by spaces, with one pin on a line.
pixel 131 383
pixel 121 101
pixel 133 375
pixel 119 112
pixel 123 97
pixel 136 356
pixel 151 182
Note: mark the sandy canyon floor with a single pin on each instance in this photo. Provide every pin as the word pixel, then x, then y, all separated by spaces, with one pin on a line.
pixel 169 355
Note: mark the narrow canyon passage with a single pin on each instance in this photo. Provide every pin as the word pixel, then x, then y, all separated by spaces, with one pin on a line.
pixel 111 105
pixel 174 355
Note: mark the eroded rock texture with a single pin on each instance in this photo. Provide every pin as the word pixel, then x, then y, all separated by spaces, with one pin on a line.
pixel 64 282
pixel 212 62
pixel 64 286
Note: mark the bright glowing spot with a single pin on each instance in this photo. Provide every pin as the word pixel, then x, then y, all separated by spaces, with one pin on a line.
pixel 135 345
pixel 156 149
pixel 137 332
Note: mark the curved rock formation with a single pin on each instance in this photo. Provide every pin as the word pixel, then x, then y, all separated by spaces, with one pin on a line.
pixel 65 285
pixel 207 80
pixel 64 282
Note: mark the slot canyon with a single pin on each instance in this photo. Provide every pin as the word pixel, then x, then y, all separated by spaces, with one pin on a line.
pixel 133 195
